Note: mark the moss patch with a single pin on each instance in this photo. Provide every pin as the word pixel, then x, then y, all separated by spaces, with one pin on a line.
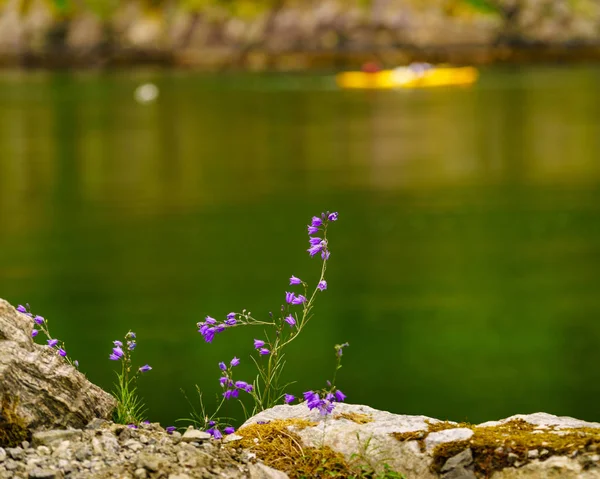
pixel 12 427
pixel 355 417
pixel 278 447
pixel 505 445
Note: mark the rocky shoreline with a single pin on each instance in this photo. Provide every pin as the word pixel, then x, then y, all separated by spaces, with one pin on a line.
pixel 104 450
pixel 316 34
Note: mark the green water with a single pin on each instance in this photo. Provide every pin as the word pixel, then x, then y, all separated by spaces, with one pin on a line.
pixel 465 267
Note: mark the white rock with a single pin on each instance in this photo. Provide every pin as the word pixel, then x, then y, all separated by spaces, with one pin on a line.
pixel 449 435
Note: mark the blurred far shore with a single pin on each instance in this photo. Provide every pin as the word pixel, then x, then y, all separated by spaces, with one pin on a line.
pixel 294 35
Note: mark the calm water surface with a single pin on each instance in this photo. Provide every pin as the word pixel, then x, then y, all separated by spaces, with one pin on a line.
pixel 465 267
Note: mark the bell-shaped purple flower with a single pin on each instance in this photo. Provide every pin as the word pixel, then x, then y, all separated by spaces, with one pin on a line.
pixel 210 320
pixel 264 351
pixel 21 309
pixel 316 221
pixel 231 322
pixel 118 343
pixel 289 297
pixel 223 380
pixel 322 285
pixel 313 240
pixel 229 430
pixel 339 396
pixel 288 398
pixel 258 343
pixel 34 333
pixel 38 320
pixel 294 280
pixel 235 361
pixel 52 342
pixel 62 352
pixel 222 366
pixel 313 230
pixel 313 250
pixel 325 254
pixel 241 384
pixel 145 368
pixel 170 429
pixel 332 216
pixel 299 300
pixel 290 320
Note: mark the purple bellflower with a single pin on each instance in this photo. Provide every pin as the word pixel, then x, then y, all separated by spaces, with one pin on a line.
pixel 235 361
pixel 316 221
pixel 299 300
pixel 290 320
pixel 229 430
pixel 258 344
pixel 313 230
pixel 294 280
pixel 52 342
pixel 288 398
pixel 116 354
pixel 322 285
pixel 222 366
pixel 145 368
pixel 62 352
pixel 38 320
pixel 34 333
pixel 21 309
pixel 170 429
pixel 264 351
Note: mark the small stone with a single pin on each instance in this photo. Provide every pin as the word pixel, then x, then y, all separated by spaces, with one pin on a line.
pixel 25 444
pixel 43 450
pixel 462 459
pixel 83 453
pixel 148 461
pixel 45 474
pixel 47 438
pixel 97 424
pixel 10 465
pixel 512 457
pixel 186 459
pixel 15 452
pixel 460 473
pixel 133 445
pixel 2 454
pixel 543 452
pixel 141 473
pixel 194 435
pixel 179 476
pixel 533 454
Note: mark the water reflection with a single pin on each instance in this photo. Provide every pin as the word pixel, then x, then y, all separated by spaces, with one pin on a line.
pixel 465 262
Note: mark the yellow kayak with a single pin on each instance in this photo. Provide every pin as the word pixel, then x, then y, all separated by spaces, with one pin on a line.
pixel 417 76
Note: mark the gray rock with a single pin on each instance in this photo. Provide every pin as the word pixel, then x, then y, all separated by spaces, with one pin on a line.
pixel 150 462
pixel 45 474
pixel 48 438
pixel 179 476
pixel 140 473
pixel 194 435
pixel 50 392
pixel 2 454
pixel 462 459
pixel 15 452
pixel 460 473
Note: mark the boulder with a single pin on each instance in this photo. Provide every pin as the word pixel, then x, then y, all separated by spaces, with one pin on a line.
pixel 521 446
pixel 38 388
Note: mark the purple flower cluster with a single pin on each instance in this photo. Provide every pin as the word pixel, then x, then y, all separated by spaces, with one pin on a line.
pixel 291 298
pixel 232 388
pixel 215 433
pixel 259 346
pixel 40 324
pixel 317 244
pixel 324 404
pixel 118 353
pixel 210 327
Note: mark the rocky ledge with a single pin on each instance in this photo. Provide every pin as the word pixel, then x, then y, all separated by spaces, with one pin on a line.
pixel 291 441
pixel 54 425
